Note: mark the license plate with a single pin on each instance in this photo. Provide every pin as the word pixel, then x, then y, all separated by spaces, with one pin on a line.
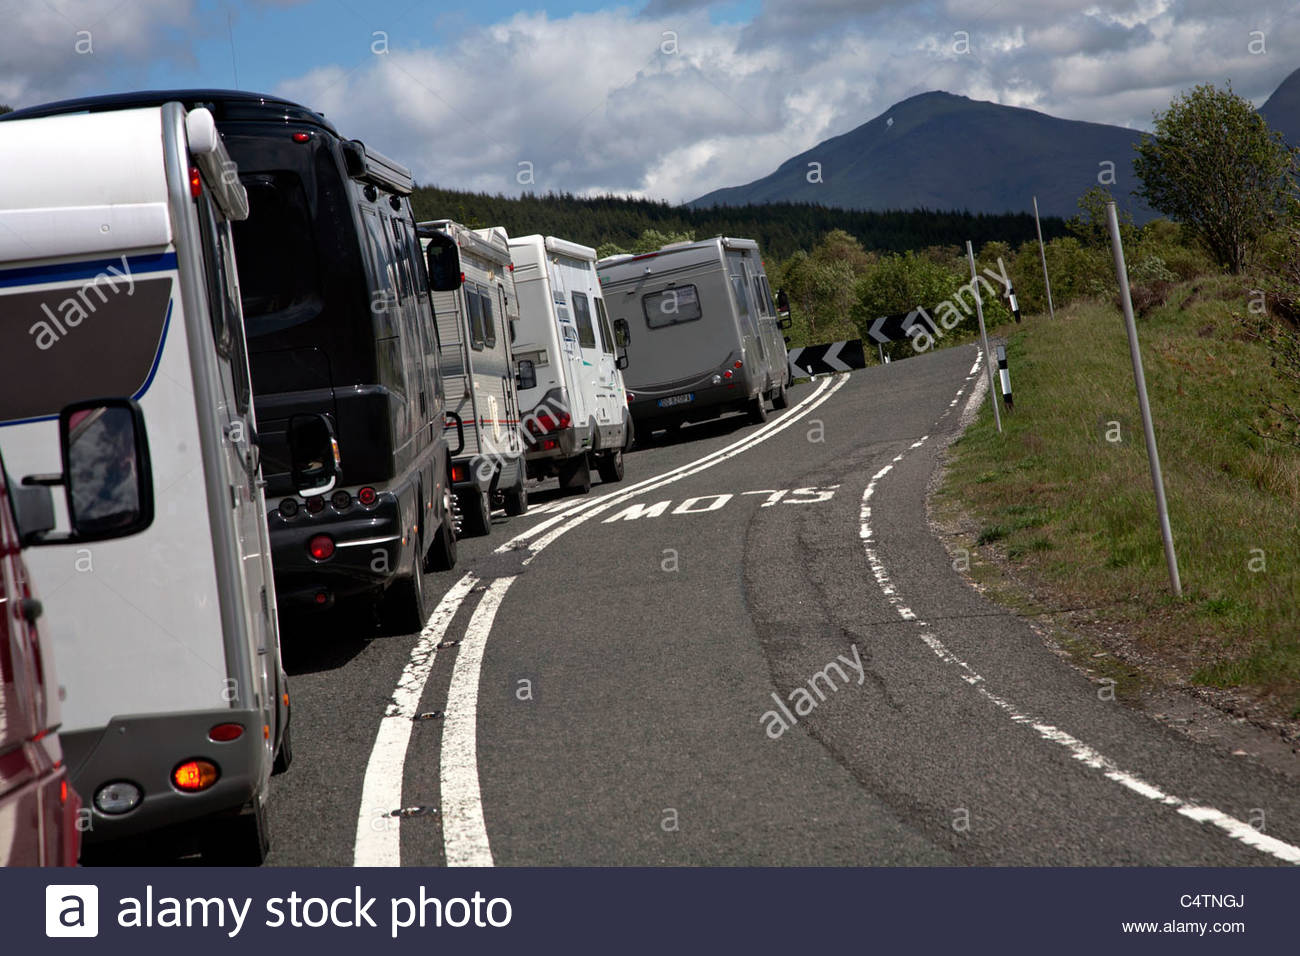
pixel 672 400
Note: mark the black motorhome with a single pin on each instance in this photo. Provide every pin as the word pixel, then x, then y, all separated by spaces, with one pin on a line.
pixel 344 355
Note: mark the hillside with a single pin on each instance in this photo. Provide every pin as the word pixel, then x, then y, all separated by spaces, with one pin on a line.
pixel 780 228
pixel 941 151
pixel 1282 109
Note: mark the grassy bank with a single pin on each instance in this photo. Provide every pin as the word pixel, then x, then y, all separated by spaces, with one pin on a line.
pixel 1063 514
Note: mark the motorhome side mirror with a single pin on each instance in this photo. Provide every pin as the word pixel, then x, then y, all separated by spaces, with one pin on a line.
pixel 107 475
pixel 313 455
pixel 622 333
pixel 444 264
pixel 527 377
pixel 620 363
pixel 782 302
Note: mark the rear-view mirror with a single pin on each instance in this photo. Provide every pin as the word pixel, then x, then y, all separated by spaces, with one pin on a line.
pixel 622 333
pixel 107 476
pixel 313 454
pixel 782 303
pixel 444 264
pixel 527 377
pixel 620 363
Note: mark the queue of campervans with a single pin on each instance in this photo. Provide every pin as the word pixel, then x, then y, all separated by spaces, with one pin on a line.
pixel 260 387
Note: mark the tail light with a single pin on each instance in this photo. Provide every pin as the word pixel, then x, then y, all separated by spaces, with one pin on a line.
pixel 321 547
pixel 224 733
pixel 196 182
pixel 739 364
pixel 367 496
pixel 544 422
pixel 459 472
pixel 315 503
pixel 630 398
pixel 195 775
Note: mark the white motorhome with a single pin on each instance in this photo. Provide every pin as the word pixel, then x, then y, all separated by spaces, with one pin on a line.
pixel 477 313
pixel 117 278
pixel 575 412
pixel 708 337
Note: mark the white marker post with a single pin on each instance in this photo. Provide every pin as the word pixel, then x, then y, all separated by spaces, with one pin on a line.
pixel 1162 509
pixel 984 336
pixel 1042 254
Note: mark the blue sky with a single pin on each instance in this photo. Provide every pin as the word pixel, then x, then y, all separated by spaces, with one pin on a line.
pixel 668 99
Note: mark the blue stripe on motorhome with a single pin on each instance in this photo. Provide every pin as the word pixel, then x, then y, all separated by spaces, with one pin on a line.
pixel 71 271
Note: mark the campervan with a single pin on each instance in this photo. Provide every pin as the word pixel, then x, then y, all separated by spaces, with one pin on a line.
pixel 344 357
pixel 707 336
pixel 477 313
pixel 572 398
pixel 117 278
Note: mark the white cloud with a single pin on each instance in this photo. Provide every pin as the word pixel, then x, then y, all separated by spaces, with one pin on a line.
pixel 664 102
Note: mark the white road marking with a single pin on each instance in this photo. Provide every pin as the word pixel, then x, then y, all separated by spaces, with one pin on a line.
pixel 377 841
pixel 377 845
pixel 1236 829
pixel 465 838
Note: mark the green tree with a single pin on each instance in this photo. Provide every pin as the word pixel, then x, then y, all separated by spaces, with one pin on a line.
pixel 1217 167
pixel 1091 227
pixel 5 109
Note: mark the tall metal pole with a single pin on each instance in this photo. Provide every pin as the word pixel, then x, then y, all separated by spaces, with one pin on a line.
pixel 984 336
pixel 1042 254
pixel 1162 509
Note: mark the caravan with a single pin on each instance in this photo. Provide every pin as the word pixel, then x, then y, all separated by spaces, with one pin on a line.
pixel 122 352
pixel 708 337
pixel 477 313
pixel 572 395
pixel 343 354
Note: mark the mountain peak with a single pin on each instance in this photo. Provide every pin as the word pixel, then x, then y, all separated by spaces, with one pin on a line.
pixel 944 151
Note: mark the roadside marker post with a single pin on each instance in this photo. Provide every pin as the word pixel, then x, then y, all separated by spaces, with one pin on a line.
pixel 1005 374
pixel 1042 254
pixel 1157 480
pixel 984 336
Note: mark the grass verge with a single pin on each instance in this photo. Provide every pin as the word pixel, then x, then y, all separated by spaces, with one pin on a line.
pixel 1061 510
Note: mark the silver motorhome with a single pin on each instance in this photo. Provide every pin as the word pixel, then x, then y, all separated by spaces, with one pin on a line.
pixel 477 313
pixel 117 278
pixel 705 334
pixel 574 403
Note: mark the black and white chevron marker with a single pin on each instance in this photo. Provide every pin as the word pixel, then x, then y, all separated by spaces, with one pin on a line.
pixel 831 357
pixel 897 327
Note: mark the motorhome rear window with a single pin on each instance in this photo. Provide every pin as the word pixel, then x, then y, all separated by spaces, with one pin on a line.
pixel 489 322
pixel 75 343
pixel 606 336
pixel 671 306
pixel 474 303
pixel 279 275
pixel 582 315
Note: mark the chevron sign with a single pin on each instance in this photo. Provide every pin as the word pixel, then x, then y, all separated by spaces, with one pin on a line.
pixel 831 357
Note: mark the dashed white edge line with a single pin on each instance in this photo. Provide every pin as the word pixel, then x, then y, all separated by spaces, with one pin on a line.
pixel 1234 828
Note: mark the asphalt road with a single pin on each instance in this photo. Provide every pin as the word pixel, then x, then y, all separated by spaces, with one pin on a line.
pixel 750 651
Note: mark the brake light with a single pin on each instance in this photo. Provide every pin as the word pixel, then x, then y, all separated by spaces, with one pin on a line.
pixel 367 496
pixel 301 137
pixel 195 775
pixel 459 472
pixel 739 364
pixel 224 733
pixel 544 422
pixel 63 791
pixel 315 503
pixel 321 547
pixel 196 182
pixel 727 374
pixel 630 396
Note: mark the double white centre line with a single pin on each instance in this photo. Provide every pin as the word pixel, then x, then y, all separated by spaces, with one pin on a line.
pixel 465 840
